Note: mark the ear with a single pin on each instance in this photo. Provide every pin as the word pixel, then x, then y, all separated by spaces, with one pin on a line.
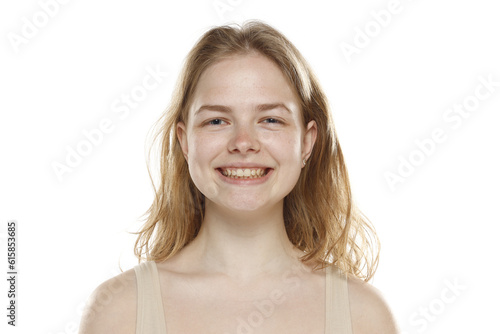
pixel 309 139
pixel 182 137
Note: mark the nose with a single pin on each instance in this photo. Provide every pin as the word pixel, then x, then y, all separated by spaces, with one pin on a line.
pixel 244 140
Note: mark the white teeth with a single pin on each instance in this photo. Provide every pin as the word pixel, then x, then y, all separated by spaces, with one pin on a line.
pixel 246 173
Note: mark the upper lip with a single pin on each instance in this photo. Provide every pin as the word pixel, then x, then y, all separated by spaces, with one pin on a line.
pixel 243 165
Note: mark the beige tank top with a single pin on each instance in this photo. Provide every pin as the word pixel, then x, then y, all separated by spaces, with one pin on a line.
pixel 151 318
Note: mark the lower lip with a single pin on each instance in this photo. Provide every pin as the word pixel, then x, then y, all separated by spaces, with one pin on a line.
pixel 245 182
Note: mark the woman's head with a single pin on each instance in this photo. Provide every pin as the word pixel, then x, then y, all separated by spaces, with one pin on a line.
pixel 318 212
pixel 246 118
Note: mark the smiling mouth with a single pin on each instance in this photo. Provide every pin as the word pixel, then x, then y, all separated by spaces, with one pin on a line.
pixel 244 173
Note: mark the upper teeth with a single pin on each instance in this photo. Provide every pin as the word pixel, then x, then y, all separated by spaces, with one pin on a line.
pixel 246 172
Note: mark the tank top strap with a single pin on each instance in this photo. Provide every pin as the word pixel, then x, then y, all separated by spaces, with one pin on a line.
pixel 150 314
pixel 338 312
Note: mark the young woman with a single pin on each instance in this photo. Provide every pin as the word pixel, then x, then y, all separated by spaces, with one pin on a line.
pixel 253 229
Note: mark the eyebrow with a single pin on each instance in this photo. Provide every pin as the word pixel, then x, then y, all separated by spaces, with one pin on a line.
pixel 260 107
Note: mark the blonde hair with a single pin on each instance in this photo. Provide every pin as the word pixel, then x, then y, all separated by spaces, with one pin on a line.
pixel 319 214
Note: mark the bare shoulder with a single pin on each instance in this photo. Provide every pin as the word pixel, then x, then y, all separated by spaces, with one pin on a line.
pixel 111 308
pixel 370 313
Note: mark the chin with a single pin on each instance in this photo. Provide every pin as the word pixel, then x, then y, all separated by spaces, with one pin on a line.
pixel 246 207
pixel 245 204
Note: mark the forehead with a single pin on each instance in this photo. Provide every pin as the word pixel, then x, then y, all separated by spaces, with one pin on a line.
pixel 240 80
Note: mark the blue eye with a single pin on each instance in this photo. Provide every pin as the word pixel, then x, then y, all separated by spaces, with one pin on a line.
pixel 273 120
pixel 216 121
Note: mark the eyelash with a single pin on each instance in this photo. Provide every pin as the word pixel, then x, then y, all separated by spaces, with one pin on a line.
pixel 276 121
pixel 210 121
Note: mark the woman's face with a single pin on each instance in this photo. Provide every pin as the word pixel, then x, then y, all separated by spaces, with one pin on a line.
pixel 244 140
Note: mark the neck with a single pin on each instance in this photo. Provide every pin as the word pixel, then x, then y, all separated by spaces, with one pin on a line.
pixel 243 245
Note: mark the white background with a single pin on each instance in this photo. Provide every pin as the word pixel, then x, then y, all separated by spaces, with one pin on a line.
pixel 440 225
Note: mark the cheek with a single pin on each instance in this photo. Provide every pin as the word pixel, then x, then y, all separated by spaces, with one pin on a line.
pixel 203 148
pixel 285 146
pixel 202 152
